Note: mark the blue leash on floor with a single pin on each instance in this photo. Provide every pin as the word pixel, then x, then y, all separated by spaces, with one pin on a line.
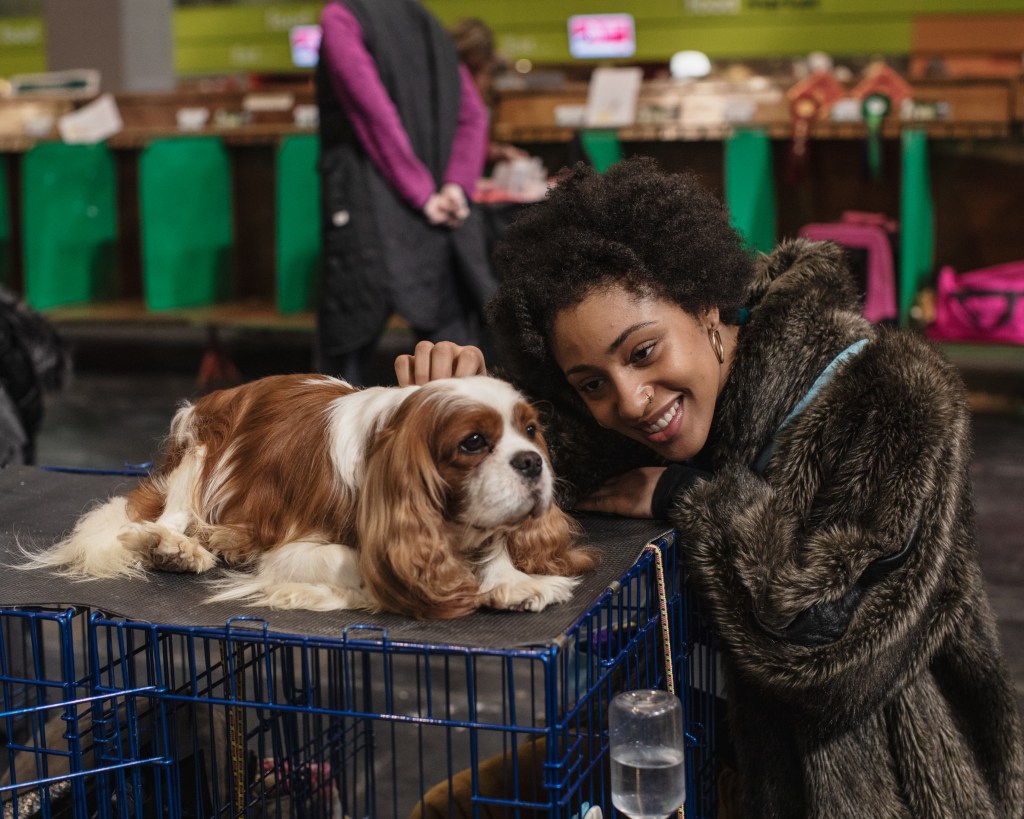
pixel 128 470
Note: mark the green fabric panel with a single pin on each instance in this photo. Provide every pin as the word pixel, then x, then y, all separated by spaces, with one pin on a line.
pixel 602 146
pixel 299 241
pixel 69 223
pixel 917 221
pixel 750 187
pixel 186 222
pixel 6 263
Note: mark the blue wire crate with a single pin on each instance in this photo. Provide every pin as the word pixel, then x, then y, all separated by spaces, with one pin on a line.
pixel 53 728
pixel 174 722
pixel 259 723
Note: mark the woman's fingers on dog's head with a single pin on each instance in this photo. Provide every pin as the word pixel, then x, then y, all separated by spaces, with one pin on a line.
pixel 403 370
pixel 444 359
pixel 433 361
pixel 470 361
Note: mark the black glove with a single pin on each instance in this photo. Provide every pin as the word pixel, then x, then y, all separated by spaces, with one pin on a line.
pixel 675 480
pixel 825 623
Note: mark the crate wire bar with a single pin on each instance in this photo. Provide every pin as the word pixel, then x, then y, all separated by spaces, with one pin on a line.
pixel 176 722
pixel 52 726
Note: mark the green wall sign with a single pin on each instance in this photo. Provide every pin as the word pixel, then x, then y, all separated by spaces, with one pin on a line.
pixel 22 46
pixel 225 39
pixel 536 29
pixel 231 39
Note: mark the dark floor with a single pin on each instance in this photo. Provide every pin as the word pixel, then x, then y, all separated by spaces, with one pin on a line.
pixel 118 405
pixel 998 472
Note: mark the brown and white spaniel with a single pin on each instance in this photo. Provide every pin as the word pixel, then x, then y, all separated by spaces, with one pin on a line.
pixel 428 501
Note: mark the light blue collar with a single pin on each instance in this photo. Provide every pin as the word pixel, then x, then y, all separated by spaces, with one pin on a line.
pixel 819 383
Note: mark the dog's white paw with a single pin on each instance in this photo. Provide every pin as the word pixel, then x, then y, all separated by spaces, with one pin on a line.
pixel 166 549
pixel 535 593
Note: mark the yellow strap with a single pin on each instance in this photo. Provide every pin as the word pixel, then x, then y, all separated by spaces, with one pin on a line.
pixel 236 728
pixel 666 638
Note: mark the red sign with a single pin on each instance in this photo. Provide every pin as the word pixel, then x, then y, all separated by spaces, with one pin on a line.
pixel 601 35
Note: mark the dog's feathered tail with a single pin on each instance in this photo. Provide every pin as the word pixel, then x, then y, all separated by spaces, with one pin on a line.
pixel 93 549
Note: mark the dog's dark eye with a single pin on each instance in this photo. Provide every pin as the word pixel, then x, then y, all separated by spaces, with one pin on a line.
pixel 531 430
pixel 474 443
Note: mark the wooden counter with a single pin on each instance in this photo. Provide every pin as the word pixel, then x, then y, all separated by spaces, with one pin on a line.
pixel 977 173
pixel 977 108
pixel 239 117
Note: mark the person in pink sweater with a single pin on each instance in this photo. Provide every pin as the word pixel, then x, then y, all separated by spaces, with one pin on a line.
pixel 403 140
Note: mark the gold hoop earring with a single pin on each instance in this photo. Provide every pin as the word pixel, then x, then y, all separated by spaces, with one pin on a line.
pixel 716 344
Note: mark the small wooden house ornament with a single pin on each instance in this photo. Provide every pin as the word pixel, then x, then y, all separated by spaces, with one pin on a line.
pixel 809 101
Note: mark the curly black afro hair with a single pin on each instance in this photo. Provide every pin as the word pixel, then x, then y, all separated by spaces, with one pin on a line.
pixel 653 232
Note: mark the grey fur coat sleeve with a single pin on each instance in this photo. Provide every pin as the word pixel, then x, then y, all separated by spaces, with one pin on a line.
pixel 881 456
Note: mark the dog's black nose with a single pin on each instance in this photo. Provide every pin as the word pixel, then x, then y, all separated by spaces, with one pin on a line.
pixel 528 464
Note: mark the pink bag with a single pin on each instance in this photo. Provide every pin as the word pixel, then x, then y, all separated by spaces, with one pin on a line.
pixel 874 236
pixel 980 305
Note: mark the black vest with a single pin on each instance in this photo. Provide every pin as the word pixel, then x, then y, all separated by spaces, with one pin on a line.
pixel 380 254
pixel 419 68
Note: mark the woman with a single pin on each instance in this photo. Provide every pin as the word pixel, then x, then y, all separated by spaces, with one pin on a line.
pixel 828 526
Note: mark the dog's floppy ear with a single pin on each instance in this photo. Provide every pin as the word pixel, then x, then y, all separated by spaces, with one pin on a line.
pixel 405 557
pixel 546 545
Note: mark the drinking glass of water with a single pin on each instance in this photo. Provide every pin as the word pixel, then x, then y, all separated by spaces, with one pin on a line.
pixel 648 763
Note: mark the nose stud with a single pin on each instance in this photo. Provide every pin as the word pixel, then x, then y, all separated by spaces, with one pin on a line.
pixel 650 398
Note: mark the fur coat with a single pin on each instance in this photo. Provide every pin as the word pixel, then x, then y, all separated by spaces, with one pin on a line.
pixel 861 660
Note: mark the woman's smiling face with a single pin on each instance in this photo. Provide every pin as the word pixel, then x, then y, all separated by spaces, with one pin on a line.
pixel 643 366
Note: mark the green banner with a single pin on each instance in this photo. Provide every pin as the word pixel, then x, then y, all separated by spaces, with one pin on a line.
pixel 220 39
pixel 22 46
pixel 228 39
pixel 225 22
pixel 537 29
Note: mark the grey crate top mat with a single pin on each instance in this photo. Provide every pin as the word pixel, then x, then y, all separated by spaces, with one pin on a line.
pixel 37 507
